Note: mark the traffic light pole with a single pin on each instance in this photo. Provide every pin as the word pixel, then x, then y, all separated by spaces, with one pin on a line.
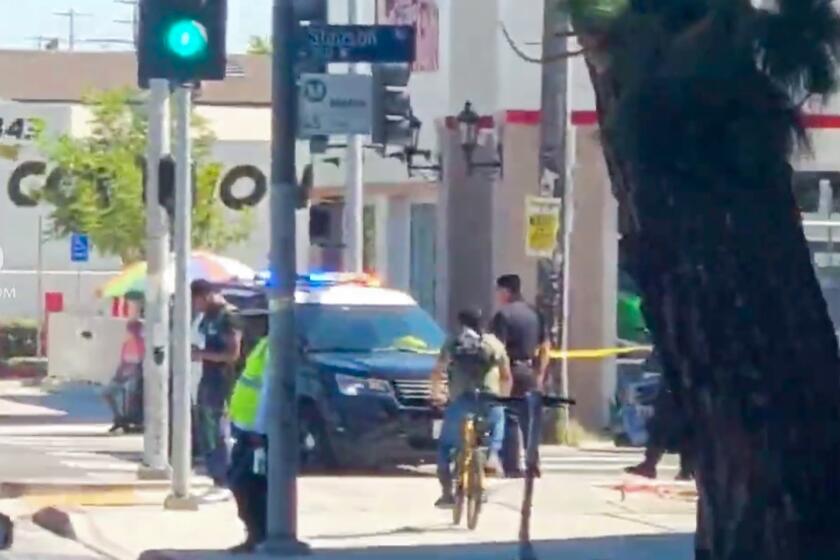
pixel 156 361
pixel 180 498
pixel 354 204
pixel 283 445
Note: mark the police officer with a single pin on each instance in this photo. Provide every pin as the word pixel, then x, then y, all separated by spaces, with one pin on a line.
pixel 522 329
pixel 247 475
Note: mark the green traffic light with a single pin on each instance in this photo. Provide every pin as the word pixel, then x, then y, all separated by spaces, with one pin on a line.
pixel 186 39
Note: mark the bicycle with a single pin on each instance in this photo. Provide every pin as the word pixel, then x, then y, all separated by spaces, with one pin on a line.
pixel 469 473
pixel 470 460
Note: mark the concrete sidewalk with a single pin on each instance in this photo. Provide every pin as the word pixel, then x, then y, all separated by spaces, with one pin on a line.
pixel 58 436
pixel 667 547
pixel 83 485
pixel 356 517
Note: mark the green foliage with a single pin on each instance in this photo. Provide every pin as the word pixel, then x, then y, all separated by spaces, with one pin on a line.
pixel 259 45
pixel 715 85
pixel 101 189
pixel 18 339
pixel 592 15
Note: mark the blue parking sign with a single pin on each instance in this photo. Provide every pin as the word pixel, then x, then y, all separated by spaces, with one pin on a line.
pixel 79 247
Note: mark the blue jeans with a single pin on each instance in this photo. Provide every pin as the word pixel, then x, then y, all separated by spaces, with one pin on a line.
pixel 450 433
pixel 213 431
pixel 118 394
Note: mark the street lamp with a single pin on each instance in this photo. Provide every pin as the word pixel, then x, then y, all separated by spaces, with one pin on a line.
pixel 468 126
pixel 415 125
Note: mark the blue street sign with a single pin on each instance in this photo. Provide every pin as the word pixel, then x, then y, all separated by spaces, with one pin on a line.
pixel 358 43
pixel 79 247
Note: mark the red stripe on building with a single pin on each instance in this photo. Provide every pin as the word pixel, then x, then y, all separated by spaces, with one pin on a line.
pixel 584 118
pixel 531 118
pixel 590 118
pixel 821 121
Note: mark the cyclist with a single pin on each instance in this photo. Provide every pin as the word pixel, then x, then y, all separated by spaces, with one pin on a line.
pixel 474 360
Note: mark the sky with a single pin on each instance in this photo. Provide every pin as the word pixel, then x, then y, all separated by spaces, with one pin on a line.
pixel 24 20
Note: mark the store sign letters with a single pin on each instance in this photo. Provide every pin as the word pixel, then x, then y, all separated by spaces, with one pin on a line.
pixel 234 198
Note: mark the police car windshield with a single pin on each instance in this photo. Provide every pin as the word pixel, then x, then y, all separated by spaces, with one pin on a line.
pixel 360 328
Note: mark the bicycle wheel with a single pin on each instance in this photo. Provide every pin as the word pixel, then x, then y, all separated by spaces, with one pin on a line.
pixel 475 489
pixel 460 484
pixel 464 459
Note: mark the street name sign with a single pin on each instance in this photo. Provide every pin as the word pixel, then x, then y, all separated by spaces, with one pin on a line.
pixel 334 104
pixel 358 43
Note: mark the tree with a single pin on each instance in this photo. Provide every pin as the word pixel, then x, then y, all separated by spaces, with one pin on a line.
pixel 698 104
pixel 259 45
pixel 99 190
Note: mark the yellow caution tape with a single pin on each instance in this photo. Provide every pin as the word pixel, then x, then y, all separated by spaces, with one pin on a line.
pixel 596 353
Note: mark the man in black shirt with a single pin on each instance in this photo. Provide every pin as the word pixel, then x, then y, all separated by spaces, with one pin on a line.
pixel 523 331
pixel 222 343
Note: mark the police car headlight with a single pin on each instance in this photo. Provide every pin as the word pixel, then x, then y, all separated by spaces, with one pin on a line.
pixel 352 386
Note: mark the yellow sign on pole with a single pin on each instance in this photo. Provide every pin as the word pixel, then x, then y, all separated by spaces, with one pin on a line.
pixel 542 220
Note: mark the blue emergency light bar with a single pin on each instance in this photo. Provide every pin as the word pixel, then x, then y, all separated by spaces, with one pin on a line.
pixel 319 279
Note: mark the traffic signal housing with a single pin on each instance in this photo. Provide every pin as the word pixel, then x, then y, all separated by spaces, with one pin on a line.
pixel 391 105
pixel 166 182
pixel 182 40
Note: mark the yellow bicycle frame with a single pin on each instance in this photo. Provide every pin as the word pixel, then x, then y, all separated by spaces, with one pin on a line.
pixel 469 448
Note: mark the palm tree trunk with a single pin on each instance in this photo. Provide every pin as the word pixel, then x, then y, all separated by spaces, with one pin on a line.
pixel 733 304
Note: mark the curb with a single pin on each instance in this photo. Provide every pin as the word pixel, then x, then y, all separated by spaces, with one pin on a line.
pixel 55 521
pixel 69 495
pixel 73 525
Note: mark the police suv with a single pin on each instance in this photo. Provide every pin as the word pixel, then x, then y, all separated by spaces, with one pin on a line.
pixel 366 355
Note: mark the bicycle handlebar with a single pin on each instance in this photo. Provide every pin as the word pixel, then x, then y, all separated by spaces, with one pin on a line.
pixel 547 400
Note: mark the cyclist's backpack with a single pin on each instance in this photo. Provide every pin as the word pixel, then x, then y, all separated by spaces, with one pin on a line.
pixel 473 356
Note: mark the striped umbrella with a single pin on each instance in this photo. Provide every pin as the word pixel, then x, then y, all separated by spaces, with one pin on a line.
pixel 202 265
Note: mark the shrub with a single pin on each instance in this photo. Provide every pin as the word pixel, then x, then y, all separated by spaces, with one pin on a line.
pixel 18 339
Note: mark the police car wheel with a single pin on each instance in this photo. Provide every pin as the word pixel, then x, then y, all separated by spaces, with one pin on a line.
pixel 315 452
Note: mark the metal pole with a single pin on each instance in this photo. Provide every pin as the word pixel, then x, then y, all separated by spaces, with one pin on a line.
pixel 552 272
pixel 156 361
pixel 354 206
pixel 282 538
pixel 181 352
pixel 533 403
pixel 40 287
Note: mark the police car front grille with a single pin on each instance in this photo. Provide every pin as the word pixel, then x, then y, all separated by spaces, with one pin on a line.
pixel 413 392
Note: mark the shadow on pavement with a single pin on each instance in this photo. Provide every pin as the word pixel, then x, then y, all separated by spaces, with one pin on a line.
pixel 80 405
pixel 380 472
pixel 633 547
pixel 408 530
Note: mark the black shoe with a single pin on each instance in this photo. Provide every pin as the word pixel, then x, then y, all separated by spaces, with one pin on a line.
pixel 445 502
pixel 118 426
pixel 642 469
pixel 220 484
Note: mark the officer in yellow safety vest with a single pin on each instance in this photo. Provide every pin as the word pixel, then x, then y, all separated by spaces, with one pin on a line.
pixel 247 475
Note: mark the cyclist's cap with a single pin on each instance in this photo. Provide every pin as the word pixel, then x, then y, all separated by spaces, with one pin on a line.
pixel 471 318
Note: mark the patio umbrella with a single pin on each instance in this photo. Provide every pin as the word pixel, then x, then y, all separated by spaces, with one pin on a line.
pixel 202 265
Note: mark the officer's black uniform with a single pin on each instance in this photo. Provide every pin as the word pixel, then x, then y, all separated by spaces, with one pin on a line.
pixel 522 330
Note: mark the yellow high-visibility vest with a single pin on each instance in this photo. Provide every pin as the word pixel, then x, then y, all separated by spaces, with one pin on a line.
pixel 245 401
